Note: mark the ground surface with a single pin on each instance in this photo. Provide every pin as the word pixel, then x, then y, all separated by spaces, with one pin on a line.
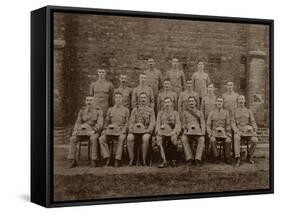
pixel 83 182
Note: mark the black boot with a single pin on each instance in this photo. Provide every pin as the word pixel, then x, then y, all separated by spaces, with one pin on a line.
pixel 72 163
pixel 107 161
pixel 93 163
pixel 237 162
pixel 198 163
pixel 116 163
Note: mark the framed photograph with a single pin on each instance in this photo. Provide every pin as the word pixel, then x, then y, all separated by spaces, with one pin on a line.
pixel 134 106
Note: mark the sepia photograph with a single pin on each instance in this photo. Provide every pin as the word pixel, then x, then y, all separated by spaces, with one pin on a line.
pixel 151 105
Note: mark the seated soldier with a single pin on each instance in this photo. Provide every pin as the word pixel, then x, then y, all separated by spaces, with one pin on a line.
pixel 194 129
pixel 242 118
pixel 89 123
pixel 218 127
pixel 168 127
pixel 115 129
pixel 141 124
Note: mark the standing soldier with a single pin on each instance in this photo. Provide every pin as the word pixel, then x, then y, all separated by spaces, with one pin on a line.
pixel 193 119
pixel 176 77
pixel 117 117
pixel 183 103
pixel 208 104
pixel 219 119
pixel 89 120
pixel 242 118
pixel 209 101
pixel 141 124
pixel 230 98
pixel 154 77
pixel 125 90
pixel 200 80
pixel 143 87
pixel 168 127
pixel 167 92
pixel 102 91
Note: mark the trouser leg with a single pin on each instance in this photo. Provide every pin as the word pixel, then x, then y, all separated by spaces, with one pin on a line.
pixel 227 148
pixel 131 145
pixel 145 146
pixel 214 147
pixel 119 149
pixel 104 146
pixel 200 147
pixel 253 144
pixel 237 144
pixel 94 145
pixel 173 147
pixel 72 147
pixel 161 148
pixel 186 147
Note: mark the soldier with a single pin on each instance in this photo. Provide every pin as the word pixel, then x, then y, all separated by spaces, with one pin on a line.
pixel 219 118
pixel 193 117
pixel 183 98
pixel 176 77
pixel 91 120
pixel 168 118
pixel 167 92
pixel 209 101
pixel 144 116
pixel 154 77
pixel 125 90
pixel 117 116
pixel 143 87
pixel 102 91
pixel 200 80
pixel 230 98
pixel 241 117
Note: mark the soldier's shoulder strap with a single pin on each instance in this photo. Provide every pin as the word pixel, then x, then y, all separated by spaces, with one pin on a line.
pixel 193 114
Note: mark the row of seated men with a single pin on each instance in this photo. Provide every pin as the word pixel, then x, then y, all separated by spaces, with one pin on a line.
pixel 170 125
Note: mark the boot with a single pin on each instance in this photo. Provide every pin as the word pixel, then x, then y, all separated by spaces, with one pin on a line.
pixel 198 163
pixel 116 163
pixel 163 165
pixel 189 162
pixel 250 160
pixel 107 162
pixel 72 163
pixel 93 163
pixel 237 162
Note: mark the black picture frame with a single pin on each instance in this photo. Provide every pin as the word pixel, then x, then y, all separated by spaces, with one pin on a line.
pixel 42 103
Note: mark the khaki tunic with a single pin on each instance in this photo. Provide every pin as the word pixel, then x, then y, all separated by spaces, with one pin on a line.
pixel 230 101
pixel 154 80
pixel 208 104
pixel 91 116
pixel 144 115
pixel 127 96
pixel 162 95
pixel 177 80
pixel 189 119
pixel 118 116
pixel 241 117
pixel 171 118
pixel 200 81
pixel 136 93
pixel 102 92
pixel 183 100
pixel 218 118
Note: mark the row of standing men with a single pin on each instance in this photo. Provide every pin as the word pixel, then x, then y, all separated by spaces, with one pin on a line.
pixel 179 104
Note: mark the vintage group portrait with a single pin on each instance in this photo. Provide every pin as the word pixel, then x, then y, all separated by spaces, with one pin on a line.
pixel 151 105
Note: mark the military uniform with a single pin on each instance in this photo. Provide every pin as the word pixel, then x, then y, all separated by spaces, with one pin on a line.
pixel 230 101
pixel 172 119
pixel 118 116
pixel 177 80
pixel 200 81
pixel 161 97
pixel 189 119
pixel 183 100
pixel 136 93
pixel 146 116
pixel 102 92
pixel 154 80
pixel 219 118
pixel 208 104
pixel 240 118
pixel 127 95
pixel 92 117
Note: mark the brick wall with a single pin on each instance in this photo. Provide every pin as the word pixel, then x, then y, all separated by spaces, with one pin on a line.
pixel 122 45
